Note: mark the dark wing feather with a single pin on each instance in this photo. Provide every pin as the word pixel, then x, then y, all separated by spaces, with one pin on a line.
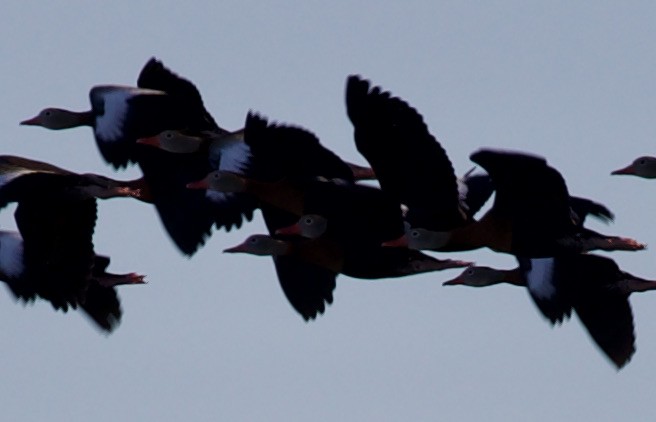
pixel 533 196
pixel 58 248
pixel 102 305
pixel 155 75
pixel 285 151
pixel 603 309
pixel 583 207
pixel 607 316
pixel 479 189
pixel 409 162
pixel 308 288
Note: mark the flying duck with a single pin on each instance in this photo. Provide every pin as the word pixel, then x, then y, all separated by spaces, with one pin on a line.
pixel 591 285
pixel 375 263
pixel 52 256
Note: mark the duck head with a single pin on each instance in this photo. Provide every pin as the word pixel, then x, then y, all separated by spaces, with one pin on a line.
pixel 644 167
pixel 475 276
pixel 173 141
pixel 311 226
pixel 261 244
pixel 57 118
pixel 221 181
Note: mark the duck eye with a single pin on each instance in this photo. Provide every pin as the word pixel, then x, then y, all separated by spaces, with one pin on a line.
pixel 309 221
pixel 642 162
pixel 470 272
pixel 215 175
pixel 47 113
pixel 168 135
pixel 253 240
pixel 414 233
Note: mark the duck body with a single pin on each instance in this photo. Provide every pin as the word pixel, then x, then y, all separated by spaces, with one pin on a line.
pixel 532 198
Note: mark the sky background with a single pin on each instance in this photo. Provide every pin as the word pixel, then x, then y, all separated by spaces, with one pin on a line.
pixel 213 337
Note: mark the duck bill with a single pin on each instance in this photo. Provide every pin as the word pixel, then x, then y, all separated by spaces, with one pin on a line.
pixel 445 264
pixel 401 242
pixel 626 170
pixel 241 248
pixel 34 121
pixel 111 280
pixel 153 141
pixel 454 282
pixel 294 229
pixel 362 173
pixel 199 184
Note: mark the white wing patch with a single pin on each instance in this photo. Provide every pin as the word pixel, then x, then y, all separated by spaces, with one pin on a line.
pixel 16 172
pixel 216 196
pixel 540 278
pixel 11 254
pixel 109 125
pixel 230 155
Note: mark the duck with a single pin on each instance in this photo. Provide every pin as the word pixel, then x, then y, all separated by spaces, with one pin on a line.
pixel 538 208
pixel 644 167
pixel 52 255
pixel 162 100
pixel 364 264
pixel 593 286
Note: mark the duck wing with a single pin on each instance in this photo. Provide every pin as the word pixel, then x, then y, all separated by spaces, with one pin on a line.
pixel 409 162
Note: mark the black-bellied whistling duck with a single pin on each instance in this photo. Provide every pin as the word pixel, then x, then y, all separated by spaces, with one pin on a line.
pixel 52 256
pixel 593 286
pixel 162 100
pixel 532 198
pixel 644 167
pixel 369 264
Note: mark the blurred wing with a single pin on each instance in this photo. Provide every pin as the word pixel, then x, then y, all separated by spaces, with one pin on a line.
pixel 308 288
pixel 608 318
pixel 282 151
pixel 408 161
pixel 583 207
pixel 58 247
pixel 155 75
pixel 102 306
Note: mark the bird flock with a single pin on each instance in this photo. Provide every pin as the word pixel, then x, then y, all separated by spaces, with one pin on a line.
pixel 321 222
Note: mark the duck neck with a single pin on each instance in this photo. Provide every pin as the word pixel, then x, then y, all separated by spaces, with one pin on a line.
pixel 634 285
pixel 513 277
pixel 72 119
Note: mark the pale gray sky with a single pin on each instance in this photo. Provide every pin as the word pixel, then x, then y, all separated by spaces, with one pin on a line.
pixel 213 338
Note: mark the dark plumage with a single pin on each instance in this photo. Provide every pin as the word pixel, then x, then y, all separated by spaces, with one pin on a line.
pixel 52 256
